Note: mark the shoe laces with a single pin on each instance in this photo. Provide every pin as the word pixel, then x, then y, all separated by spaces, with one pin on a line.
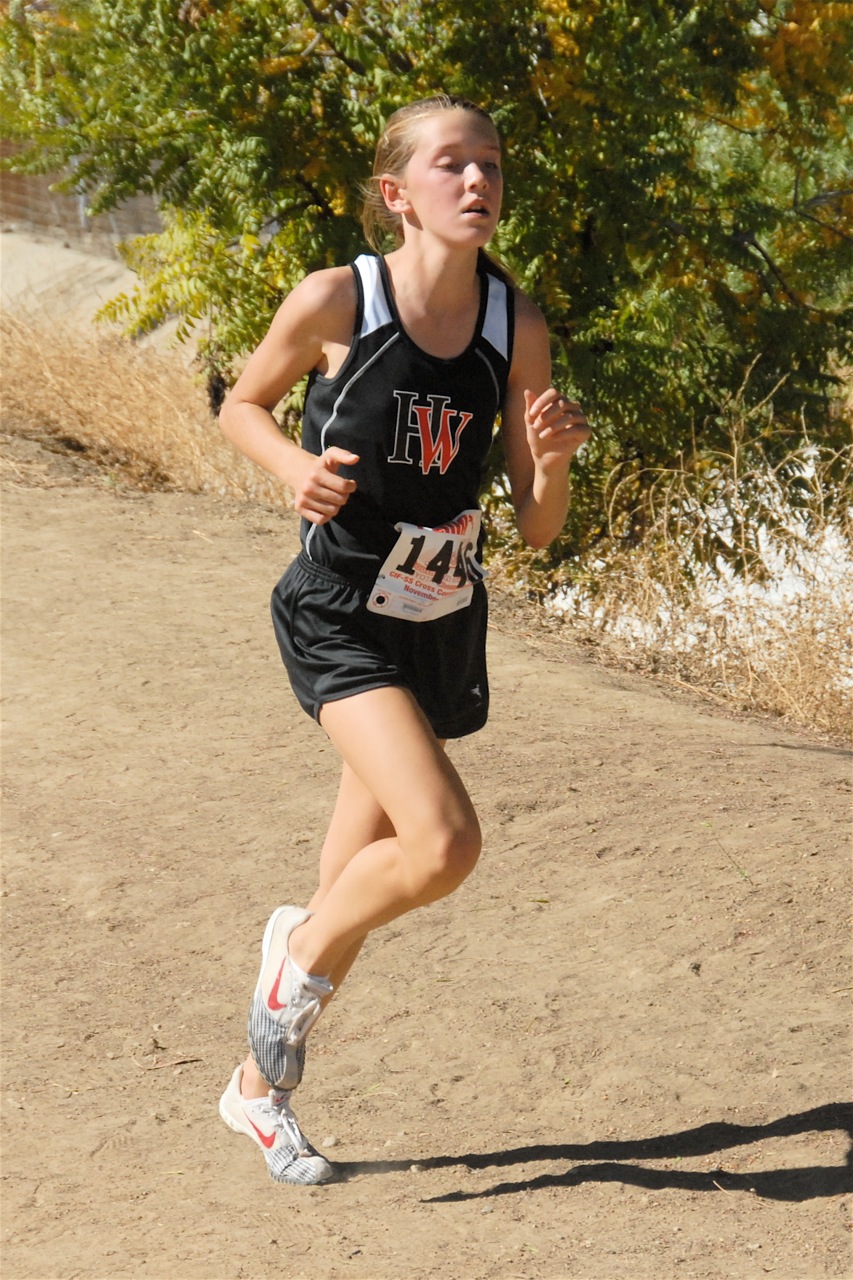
pixel 285 1122
pixel 307 999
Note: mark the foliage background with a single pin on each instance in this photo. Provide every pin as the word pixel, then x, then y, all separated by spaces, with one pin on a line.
pixel 679 205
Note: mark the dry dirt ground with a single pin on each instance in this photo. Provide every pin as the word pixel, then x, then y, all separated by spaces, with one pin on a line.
pixel 620 1051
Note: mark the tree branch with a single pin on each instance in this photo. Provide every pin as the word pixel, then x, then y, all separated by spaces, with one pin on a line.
pixel 826 197
pixel 316 198
pixel 358 68
pixel 749 239
pixel 827 226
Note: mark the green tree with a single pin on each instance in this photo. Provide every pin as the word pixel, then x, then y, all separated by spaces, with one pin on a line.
pixel 680 196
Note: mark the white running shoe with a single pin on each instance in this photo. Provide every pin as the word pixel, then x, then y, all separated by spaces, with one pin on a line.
pixel 285 1005
pixel 272 1125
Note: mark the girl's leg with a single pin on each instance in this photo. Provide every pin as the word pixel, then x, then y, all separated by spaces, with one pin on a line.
pixel 393 758
pixel 389 747
pixel 357 820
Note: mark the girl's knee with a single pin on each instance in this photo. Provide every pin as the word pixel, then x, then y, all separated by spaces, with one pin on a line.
pixel 448 856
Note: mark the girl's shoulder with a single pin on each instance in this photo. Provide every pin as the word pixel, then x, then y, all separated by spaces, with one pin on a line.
pixel 320 309
pixel 332 289
pixel 531 348
pixel 529 319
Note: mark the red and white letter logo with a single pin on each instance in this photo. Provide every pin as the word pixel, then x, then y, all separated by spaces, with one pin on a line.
pixel 434 426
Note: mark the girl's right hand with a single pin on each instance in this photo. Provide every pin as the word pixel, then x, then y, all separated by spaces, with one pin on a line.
pixel 321 492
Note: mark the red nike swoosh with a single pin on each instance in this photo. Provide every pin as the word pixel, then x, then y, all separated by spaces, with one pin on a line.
pixel 274 1002
pixel 268 1139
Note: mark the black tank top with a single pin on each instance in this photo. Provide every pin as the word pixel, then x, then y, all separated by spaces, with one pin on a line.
pixel 421 425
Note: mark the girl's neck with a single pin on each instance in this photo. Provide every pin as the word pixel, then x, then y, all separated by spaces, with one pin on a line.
pixel 437 298
pixel 437 280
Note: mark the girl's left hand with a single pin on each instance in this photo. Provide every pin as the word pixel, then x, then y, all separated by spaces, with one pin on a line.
pixel 556 427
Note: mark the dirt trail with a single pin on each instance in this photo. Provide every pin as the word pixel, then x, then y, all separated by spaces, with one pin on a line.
pixel 620 1051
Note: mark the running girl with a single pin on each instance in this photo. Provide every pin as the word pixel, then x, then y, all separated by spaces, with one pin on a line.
pixel 381 619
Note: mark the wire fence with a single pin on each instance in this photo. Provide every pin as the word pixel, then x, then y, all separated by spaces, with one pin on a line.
pixel 28 202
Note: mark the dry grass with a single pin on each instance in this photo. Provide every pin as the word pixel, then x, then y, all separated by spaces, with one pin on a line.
pixel 138 410
pixel 776 638
pixel 742 644
pixel 791 657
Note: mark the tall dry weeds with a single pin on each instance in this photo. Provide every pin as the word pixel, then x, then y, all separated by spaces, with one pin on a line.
pixel 776 636
pixel 138 409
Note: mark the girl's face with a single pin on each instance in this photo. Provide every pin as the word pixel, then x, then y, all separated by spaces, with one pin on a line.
pixel 452 185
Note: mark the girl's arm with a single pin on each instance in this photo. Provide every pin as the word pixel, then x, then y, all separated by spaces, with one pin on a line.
pixel 312 327
pixel 541 430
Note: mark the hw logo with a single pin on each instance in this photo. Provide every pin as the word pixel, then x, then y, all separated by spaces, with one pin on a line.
pixel 434 428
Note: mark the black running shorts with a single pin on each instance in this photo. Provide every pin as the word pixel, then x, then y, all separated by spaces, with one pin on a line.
pixel 333 647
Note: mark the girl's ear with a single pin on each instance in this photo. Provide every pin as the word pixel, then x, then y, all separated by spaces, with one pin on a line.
pixel 394 193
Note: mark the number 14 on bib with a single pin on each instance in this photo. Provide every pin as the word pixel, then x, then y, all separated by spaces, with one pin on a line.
pixel 429 572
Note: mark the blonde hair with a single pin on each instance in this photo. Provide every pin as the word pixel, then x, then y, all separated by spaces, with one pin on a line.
pixel 393 152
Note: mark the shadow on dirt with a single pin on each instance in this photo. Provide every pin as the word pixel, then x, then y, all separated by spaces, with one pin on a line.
pixel 845 752
pixel 607 1161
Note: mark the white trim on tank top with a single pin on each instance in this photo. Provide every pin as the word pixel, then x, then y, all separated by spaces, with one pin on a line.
pixel 496 324
pixel 376 310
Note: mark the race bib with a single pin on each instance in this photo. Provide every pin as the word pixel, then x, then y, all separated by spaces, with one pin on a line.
pixel 430 572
